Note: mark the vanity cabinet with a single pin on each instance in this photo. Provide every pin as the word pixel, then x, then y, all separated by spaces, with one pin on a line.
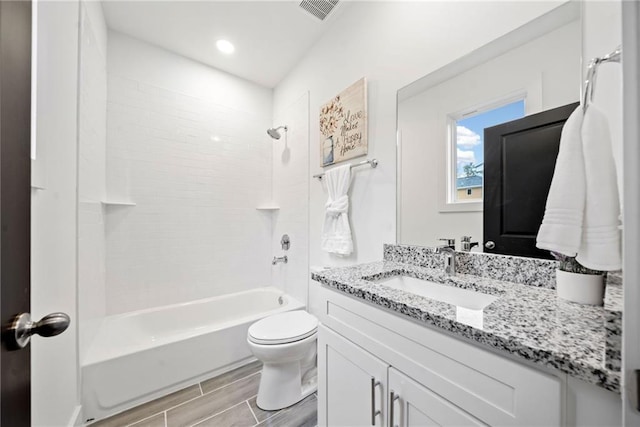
pixel 358 388
pixel 368 356
pixel 354 389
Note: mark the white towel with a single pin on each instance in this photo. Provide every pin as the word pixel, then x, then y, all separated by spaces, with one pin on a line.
pixel 561 229
pixel 600 248
pixel 581 218
pixel 336 233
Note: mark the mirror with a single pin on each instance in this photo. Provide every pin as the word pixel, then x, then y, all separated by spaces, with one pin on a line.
pixel 529 79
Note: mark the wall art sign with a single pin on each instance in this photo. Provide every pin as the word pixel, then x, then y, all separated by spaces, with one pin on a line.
pixel 343 125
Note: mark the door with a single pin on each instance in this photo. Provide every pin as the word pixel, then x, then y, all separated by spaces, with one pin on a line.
pixel 351 383
pixel 411 405
pixel 15 188
pixel 15 217
pixel 519 158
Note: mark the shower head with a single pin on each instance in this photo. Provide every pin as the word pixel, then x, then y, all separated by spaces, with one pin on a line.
pixel 273 132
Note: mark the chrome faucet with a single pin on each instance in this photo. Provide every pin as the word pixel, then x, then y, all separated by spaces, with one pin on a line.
pixel 449 253
pixel 277 259
pixel 449 243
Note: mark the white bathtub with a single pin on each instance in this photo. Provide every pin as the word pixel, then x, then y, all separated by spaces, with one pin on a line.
pixel 139 356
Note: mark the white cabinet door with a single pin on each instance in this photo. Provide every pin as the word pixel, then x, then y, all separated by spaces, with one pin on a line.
pixel 414 405
pixel 352 383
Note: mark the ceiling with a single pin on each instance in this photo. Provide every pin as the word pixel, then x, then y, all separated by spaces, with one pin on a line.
pixel 270 37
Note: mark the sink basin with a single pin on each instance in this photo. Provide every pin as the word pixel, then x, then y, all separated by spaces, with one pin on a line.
pixel 469 304
pixel 459 297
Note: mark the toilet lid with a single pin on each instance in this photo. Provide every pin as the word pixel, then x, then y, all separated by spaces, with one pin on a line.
pixel 283 328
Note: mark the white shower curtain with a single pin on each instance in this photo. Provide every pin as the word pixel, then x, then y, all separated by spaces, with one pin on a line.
pixel 336 233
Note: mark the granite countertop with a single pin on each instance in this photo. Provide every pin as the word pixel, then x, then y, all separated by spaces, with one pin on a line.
pixel 527 322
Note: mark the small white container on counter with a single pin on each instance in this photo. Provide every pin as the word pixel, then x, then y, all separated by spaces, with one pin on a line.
pixel 580 288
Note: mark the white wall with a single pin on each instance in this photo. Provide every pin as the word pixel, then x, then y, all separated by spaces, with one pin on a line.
pixel 547 69
pixel 188 145
pixel 92 149
pixel 291 194
pixel 54 361
pixel 602 34
pixel 392 44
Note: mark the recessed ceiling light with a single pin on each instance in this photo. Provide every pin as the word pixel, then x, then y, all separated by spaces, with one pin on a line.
pixel 225 46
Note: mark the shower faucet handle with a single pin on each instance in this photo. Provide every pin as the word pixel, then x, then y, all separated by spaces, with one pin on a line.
pixel 285 242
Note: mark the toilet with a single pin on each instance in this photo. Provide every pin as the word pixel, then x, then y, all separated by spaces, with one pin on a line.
pixel 286 344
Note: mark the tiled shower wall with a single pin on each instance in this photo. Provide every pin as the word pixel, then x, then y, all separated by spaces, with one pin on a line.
pixel 186 144
pixel 291 194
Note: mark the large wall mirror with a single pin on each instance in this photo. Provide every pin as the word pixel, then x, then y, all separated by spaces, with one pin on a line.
pixel 478 138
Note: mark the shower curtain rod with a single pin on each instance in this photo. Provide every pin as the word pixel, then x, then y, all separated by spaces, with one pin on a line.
pixel 372 162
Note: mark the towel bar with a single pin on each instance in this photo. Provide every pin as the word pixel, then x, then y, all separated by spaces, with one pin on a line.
pixel 372 162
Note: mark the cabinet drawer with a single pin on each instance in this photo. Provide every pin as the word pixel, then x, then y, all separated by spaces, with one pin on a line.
pixel 494 389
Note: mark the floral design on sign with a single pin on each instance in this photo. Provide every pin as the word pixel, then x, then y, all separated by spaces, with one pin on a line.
pixel 343 125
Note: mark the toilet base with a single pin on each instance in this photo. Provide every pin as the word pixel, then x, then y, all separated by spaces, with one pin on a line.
pixel 281 386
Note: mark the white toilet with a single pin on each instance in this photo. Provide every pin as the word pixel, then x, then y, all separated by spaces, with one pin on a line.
pixel 286 345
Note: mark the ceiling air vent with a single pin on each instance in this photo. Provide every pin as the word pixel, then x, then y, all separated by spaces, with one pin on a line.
pixel 319 8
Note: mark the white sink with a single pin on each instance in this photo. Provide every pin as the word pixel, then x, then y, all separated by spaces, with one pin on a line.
pixel 465 298
pixel 469 304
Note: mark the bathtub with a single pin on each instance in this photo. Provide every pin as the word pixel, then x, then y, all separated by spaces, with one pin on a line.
pixel 139 356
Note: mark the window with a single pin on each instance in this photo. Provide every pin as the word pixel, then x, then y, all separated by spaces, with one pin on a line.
pixel 466 146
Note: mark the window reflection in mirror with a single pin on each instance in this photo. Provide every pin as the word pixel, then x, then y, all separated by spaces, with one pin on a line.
pixel 466 171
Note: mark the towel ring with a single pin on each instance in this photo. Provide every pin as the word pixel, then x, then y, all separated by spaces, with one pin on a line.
pixel 592 71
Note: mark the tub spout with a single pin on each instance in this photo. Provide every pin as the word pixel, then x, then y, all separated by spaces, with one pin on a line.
pixel 277 259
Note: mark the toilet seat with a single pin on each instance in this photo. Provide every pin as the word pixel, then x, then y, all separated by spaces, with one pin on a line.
pixel 283 328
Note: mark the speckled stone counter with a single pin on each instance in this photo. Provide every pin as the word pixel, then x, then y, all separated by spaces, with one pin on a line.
pixel 529 322
pixel 613 305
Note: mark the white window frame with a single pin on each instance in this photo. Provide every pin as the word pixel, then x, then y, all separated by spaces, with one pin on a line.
pixel 448 202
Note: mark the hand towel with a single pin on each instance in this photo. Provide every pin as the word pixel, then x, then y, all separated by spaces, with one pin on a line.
pixel 561 229
pixel 336 233
pixel 600 248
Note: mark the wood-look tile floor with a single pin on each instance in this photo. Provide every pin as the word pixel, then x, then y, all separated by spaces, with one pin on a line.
pixel 228 400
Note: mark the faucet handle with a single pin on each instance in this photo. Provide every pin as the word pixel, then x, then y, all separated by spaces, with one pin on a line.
pixel 449 242
pixel 467 244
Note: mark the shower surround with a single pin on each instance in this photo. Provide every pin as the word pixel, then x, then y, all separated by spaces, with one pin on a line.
pixel 187 144
pixel 173 160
